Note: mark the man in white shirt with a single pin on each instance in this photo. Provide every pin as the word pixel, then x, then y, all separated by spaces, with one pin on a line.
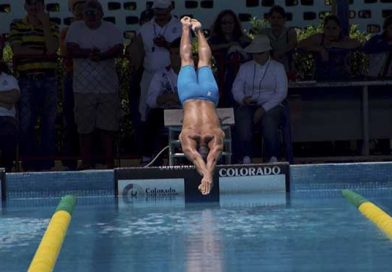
pixel 260 88
pixel 162 94
pixel 151 47
pixel 94 44
pixel 153 40
pixel 9 96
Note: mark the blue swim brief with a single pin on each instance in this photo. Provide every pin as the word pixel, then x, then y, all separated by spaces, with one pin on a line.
pixel 197 86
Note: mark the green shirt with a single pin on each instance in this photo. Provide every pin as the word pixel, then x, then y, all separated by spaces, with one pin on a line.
pixel 24 34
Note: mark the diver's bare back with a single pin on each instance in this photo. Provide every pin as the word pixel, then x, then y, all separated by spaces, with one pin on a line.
pixel 200 117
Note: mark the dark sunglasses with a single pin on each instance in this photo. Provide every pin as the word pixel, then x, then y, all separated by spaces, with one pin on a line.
pixel 227 23
pixel 90 13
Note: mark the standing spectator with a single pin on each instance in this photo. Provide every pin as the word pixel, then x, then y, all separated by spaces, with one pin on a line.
pixel 379 49
pixel 70 141
pixel 135 77
pixel 152 43
pixel 94 44
pixel 34 41
pixel 283 39
pixel 260 88
pixel 162 94
pixel 2 42
pixel 9 95
pixel 227 40
pixel 332 50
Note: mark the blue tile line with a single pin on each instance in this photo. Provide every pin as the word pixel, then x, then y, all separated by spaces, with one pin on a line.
pixel 311 177
pixel 53 184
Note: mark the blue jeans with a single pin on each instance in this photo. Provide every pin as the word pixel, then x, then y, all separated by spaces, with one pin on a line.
pixel 71 137
pixel 8 141
pixel 38 100
pixel 269 124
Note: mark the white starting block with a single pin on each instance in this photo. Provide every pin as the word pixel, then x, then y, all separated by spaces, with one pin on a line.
pixel 173 121
pixel 179 184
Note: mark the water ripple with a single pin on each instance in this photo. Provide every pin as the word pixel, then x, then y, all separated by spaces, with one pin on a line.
pixel 19 231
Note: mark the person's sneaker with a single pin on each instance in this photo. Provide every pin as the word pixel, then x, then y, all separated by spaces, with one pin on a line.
pixel 246 160
pixel 273 159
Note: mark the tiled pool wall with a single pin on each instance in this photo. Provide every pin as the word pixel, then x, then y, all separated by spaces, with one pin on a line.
pixel 310 177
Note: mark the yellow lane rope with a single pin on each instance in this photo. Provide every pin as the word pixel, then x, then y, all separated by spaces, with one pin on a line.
pixel 375 214
pixel 48 250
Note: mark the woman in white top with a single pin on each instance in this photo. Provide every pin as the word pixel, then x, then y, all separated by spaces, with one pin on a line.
pixel 9 96
pixel 259 88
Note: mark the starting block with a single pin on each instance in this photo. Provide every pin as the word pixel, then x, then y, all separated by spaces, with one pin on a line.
pixel 181 182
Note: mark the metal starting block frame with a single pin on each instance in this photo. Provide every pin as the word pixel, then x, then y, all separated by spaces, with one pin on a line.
pixel 173 121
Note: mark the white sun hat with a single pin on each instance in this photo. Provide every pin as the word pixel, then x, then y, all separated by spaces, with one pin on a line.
pixel 260 43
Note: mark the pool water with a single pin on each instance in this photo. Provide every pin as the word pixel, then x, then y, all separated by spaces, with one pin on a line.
pixel 303 231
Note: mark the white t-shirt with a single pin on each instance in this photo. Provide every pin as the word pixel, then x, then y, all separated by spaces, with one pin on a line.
pixel 163 82
pixel 156 57
pixel 266 84
pixel 91 76
pixel 8 83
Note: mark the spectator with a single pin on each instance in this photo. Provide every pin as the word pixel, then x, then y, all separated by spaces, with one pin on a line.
pixel 332 50
pixel 135 77
pixel 9 95
pixel 227 41
pixel 260 88
pixel 379 49
pixel 94 44
pixel 162 94
pixel 152 43
pixel 146 16
pixel 34 41
pixel 70 140
pixel 2 42
pixel 283 39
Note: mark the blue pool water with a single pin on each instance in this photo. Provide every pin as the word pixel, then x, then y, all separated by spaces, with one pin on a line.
pixel 303 231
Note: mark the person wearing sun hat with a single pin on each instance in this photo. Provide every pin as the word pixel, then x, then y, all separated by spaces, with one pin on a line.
pixel 259 88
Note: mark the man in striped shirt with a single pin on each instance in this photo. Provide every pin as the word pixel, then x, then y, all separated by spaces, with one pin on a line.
pixel 34 41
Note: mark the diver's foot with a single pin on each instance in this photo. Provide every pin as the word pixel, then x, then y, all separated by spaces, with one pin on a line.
pixel 186 21
pixel 196 25
pixel 205 186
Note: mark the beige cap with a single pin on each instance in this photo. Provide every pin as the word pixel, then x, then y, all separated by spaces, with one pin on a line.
pixel 162 4
pixel 72 3
pixel 260 43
